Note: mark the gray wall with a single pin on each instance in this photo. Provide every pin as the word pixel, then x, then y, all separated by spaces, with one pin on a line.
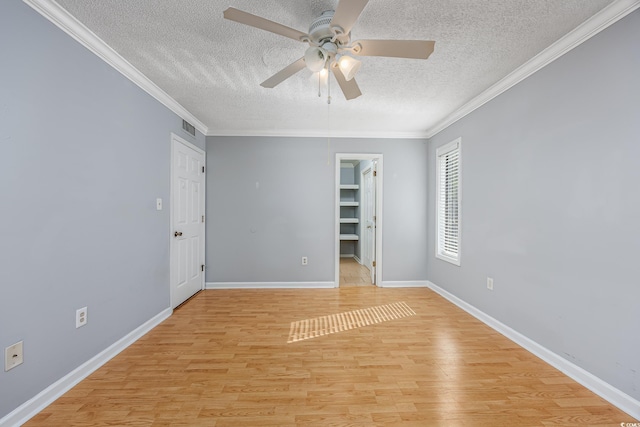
pixel 258 233
pixel 84 154
pixel 347 176
pixel 551 207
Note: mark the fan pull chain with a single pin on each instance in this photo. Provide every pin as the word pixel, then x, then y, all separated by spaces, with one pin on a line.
pixel 328 119
pixel 328 135
pixel 328 87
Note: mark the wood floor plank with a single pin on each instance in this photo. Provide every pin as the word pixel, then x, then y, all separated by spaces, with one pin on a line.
pixel 353 273
pixel 223 359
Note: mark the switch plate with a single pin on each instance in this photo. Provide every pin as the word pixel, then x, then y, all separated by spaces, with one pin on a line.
pixel 13 356
pixel 159 204
pixel 305 260
pixel 81 317
pixel 489 283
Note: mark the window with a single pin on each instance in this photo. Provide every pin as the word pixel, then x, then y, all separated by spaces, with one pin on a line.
pixel 448 201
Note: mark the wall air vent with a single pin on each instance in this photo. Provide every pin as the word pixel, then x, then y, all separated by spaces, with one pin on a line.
pixel 189 128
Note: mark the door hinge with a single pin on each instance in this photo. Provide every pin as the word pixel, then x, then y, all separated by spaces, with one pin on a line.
pixel 203 169
pixel 202 218
pixel 202 267
pixel 375 173
pixel 373 263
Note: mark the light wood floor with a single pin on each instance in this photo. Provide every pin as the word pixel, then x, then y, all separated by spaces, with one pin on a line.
pixel 222 359
pixel 353 274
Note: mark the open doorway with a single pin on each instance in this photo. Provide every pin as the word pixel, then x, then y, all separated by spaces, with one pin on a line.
pixel 358 219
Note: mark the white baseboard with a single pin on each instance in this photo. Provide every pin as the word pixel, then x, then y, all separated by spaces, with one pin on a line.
pixel 405 284
pixel 270 285
pixel 603 389
pixel 33 406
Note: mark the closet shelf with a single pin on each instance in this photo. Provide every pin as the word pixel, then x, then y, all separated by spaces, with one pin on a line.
pixel 349 203
pixel 349 186
pixel 349 220
pixel 349 237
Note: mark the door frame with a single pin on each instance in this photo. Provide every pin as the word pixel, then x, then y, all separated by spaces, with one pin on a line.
pixel 175 139
pixel 378 211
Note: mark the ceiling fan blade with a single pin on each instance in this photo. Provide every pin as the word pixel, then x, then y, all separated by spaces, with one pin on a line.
pixel 283 74
pixel 262 23
pixel 349 88
pixel 347 13
pixel 415 49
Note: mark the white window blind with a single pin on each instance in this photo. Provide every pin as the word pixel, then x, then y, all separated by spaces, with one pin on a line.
pixel 448 202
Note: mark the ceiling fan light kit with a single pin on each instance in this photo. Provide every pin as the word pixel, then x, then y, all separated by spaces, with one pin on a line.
pixel 349 66
pixel 315 58
pixel 329 40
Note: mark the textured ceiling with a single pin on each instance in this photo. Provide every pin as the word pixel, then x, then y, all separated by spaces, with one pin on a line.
pixel 214 67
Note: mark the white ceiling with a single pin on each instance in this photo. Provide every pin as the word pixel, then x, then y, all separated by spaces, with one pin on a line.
pixel 214 67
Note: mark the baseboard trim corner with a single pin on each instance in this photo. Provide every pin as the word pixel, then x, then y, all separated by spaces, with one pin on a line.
pixel 33 406
pixel 270 285
pixel 603 389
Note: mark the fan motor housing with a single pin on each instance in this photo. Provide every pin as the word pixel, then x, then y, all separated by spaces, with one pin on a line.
pixel 320 30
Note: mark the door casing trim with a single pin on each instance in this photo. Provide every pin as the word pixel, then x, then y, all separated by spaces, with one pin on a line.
pixel 378 157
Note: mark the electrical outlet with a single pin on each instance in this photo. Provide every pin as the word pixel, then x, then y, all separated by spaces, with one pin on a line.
pixel 13 356
pixel 81 317
pixel 305 260
pixel 489 283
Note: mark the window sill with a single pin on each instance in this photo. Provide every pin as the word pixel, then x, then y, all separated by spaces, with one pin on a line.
pixel 450 260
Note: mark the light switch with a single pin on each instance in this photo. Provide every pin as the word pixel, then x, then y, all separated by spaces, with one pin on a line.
pixel 159 204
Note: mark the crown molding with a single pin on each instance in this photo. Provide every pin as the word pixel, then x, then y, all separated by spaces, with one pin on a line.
pixel 598 22
pixel 320 134
pixel 53 12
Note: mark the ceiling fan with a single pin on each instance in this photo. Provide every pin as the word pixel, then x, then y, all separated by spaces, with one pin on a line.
pixel 330 46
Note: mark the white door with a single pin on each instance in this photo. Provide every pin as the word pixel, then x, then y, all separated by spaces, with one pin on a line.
pixel 369 220
pixel 187 220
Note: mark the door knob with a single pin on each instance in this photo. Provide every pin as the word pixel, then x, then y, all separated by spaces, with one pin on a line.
pixel 177 234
